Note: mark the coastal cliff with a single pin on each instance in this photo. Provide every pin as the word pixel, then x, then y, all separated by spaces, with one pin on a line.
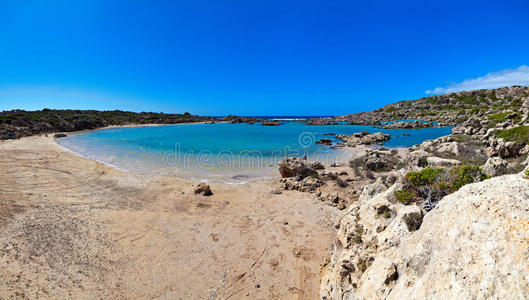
pixel 455 222
pixel 473 244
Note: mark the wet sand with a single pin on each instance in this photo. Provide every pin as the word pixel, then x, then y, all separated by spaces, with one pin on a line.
pixel 71 227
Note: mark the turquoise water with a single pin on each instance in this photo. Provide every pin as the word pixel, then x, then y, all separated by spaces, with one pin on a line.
pixel 223 151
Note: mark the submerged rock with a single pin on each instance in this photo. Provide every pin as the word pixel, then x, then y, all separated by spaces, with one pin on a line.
pixel 324 142
pixel 270 123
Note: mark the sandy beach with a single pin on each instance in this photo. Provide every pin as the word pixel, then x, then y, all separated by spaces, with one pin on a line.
pixel 75 228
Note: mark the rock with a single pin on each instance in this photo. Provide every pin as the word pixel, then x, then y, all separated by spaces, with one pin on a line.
pixel 363 138
pixel 453 254
pixel 508 149
pixel 59 135
pixel 524 150
pixel 270 123
pixel 378 161
pixel 298 167
pixel 453 148
pixel 321 121
pixel 275 192
pixel 324 142
pixel 417 158
pixel 307 184
pixel 203 189
pixel 402 124
pixel 413 220
pixel 494 166
pixel 442 162
pixel 316 165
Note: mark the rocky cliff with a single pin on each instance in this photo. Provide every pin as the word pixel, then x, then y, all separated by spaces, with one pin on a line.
pixel 473 244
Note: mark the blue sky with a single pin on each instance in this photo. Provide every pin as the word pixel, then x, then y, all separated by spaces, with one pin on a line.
pixel 254 57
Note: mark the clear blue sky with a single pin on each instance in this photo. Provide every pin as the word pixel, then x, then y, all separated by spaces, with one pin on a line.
pixel 250 57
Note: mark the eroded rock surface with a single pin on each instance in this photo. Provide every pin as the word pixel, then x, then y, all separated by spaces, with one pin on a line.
pixel 474 244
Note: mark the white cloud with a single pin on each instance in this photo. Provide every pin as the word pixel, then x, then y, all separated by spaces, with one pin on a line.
pixel 508 77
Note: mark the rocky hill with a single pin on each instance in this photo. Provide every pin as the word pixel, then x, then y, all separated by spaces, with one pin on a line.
pixel 448 109
pixel 20 123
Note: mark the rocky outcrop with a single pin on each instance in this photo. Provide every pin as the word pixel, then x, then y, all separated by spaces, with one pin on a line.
pixel 498 147
pixel 363 138
pixel 270 123
pixel 321 121
pixel 324 142
pixel 299 167
pixel 453 109
pixel 494 166
pixel 406 125
pixel 472 245
pixel 442 162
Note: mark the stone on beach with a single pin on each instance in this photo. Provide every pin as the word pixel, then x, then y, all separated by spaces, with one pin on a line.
pixel 299 167
pixel 203 189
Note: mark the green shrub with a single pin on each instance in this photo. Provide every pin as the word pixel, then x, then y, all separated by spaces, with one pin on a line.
pixel 463 175
pixel 435 183
pixel 498 117
pixel 526 173
pixel 404 196
pixel 424 177
pixel 518 134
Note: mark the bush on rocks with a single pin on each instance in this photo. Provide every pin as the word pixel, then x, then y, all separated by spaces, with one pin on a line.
pixel 431 184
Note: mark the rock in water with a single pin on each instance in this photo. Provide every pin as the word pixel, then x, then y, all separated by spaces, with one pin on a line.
pixel 203 189
pixel 59 135
pixel 363 138
pixel 324 142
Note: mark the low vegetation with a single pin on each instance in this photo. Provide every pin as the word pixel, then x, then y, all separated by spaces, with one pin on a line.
pixel 432 184
pixel 518 134
pixel 19 123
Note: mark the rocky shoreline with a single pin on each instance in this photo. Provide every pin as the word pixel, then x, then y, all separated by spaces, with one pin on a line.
pixel 413 227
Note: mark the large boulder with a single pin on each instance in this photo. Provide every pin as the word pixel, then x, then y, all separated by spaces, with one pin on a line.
pixel 363 138
pixel 494 166
pixel 299 167
pixel 442 162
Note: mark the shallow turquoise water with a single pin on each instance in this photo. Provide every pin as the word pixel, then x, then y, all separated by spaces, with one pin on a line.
pixel 223 151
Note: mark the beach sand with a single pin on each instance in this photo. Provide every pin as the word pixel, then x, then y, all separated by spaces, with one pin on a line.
pixel 71 227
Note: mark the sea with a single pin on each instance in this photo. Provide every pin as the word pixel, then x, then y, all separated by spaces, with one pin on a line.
pixel 232 153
